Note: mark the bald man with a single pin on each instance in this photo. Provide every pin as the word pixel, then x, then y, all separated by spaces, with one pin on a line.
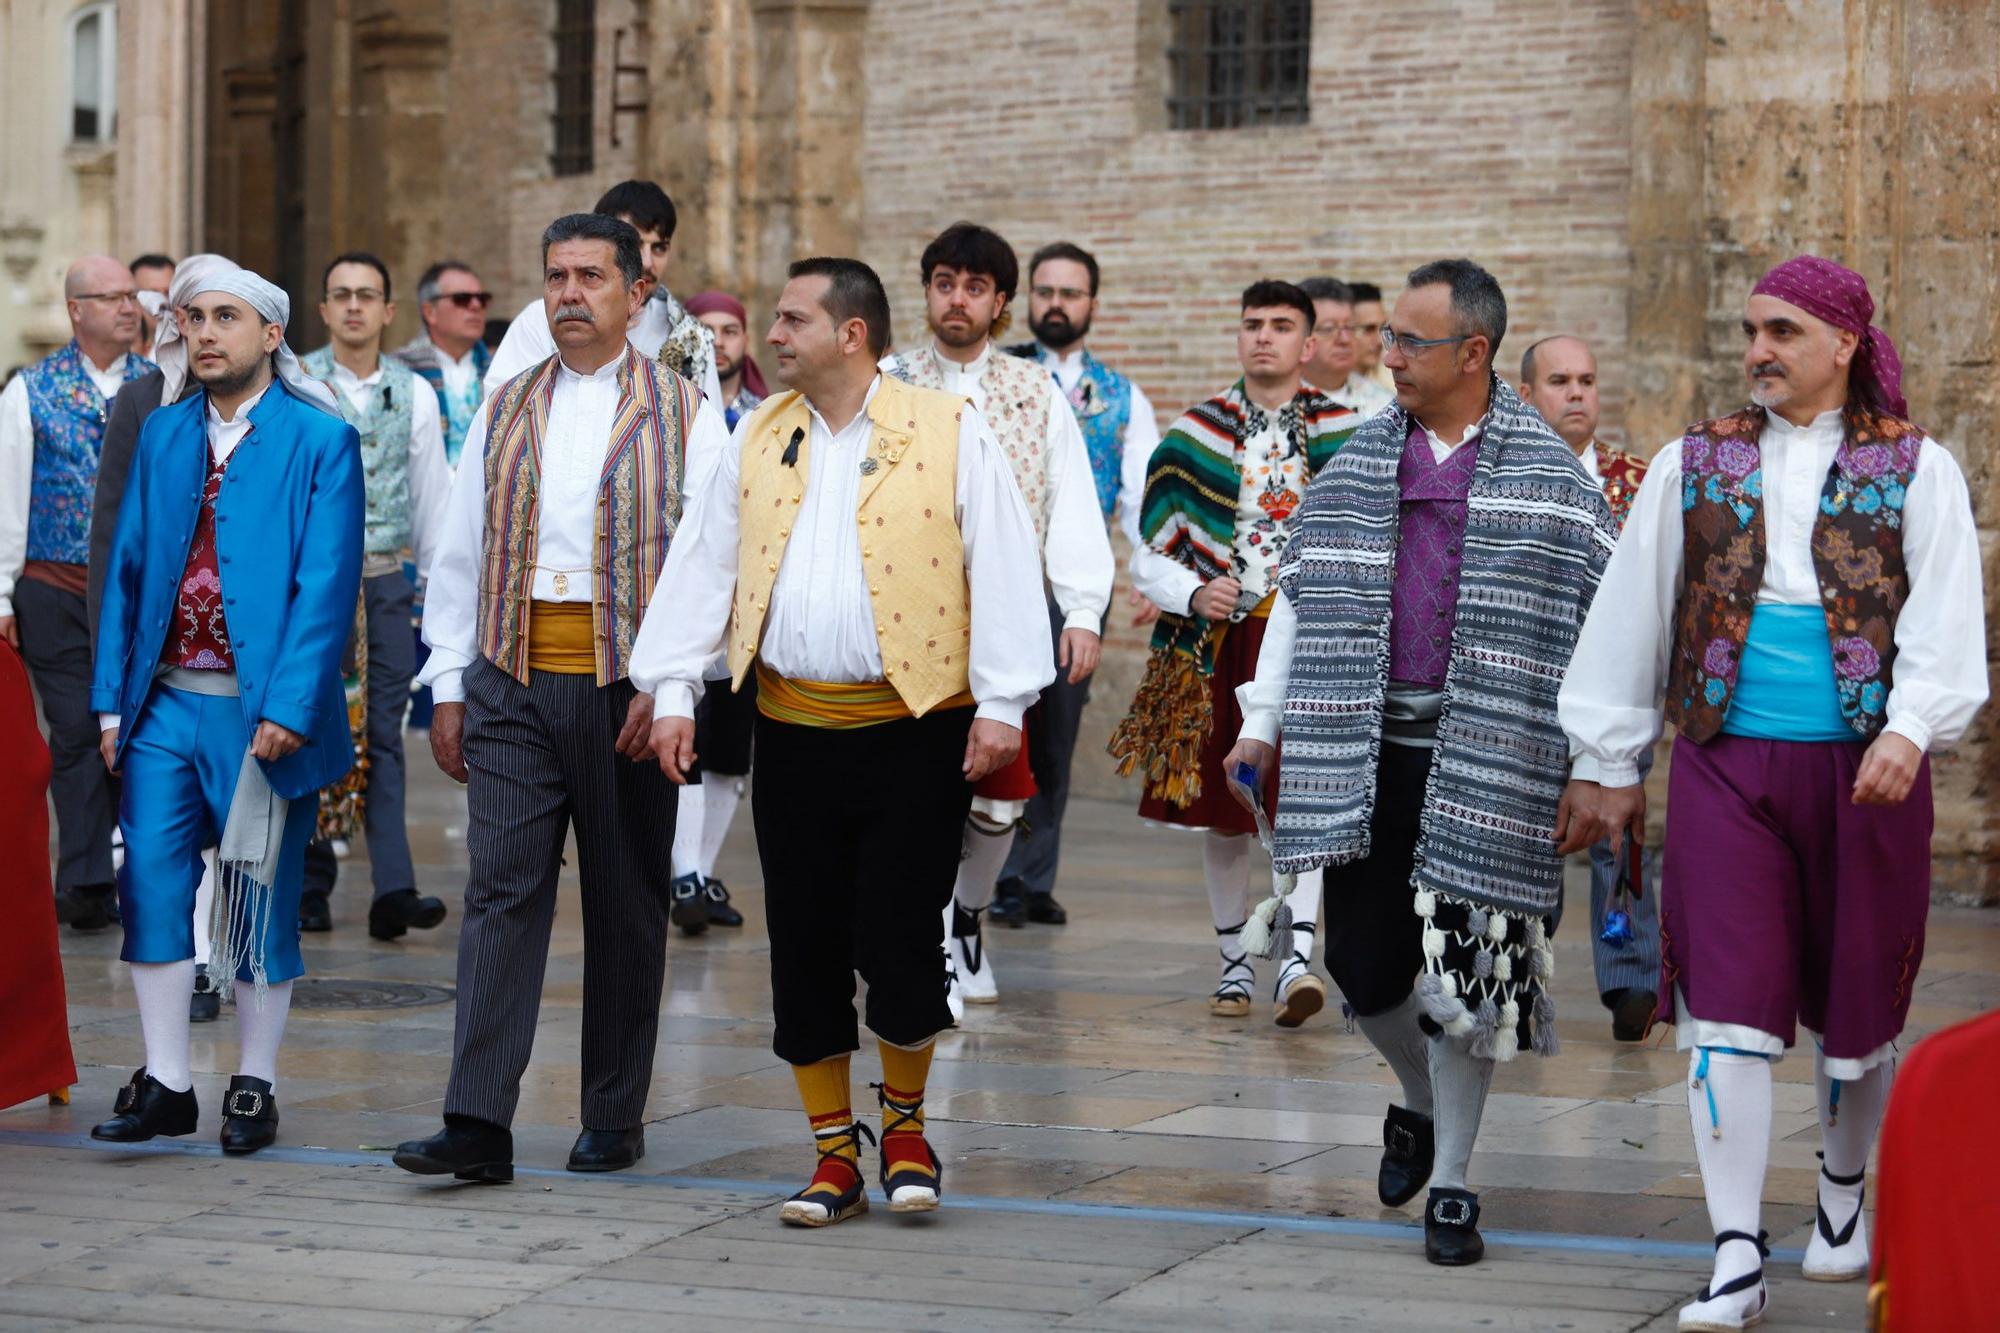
pixel 1559 380
pixel 51 431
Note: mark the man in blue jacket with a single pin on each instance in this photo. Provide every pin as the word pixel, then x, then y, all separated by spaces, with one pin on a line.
pixel 228 598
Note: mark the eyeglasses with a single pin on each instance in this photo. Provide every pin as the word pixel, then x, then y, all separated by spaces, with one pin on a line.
pixel 1409 346
pixel 113 298
pixel 467 300
pixel 1333 330
pixel 364 295
pixel 1051 293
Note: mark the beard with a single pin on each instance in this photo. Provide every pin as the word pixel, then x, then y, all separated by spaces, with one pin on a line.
pixel 1768 387
pixel 969 334
pixel 1056 332
pixel 228 379
pixel 725 366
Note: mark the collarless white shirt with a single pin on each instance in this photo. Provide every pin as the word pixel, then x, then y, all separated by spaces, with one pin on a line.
pixel 530 341
pixel 1442 449
pixel 1361 394
pixel 17 468
pixel 820 625
pixel 1610 703
pixel 458 372
pixel 224 436
pixel 430 474
pixel 1588 457
pixel 581 411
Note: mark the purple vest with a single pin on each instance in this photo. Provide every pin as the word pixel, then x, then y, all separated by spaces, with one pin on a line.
pixel 1429 551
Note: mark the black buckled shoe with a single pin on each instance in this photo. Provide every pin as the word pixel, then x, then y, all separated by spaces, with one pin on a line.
pixel 467 1147
pixel 1409 1145
pixel 688 905
pixel 205 1004
pixel 1451 1228
pixel 249 1116
pixel 395 915
pixel 607 1149
pixel 715 897
pixel 146 1107
pixel 315 917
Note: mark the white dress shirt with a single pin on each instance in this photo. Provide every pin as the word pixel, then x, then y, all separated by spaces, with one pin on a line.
pixel 1611 698
pixel 1142 436
pixel 1588 457
pixel 821 625
pixel 1361 394
pixel 530 341
pixel 1076 552
pixel 17 468
pixel 430 474
pixel 458 372
pixel 574 445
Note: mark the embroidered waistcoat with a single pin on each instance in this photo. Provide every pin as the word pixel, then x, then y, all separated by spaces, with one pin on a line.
pixel 1429 558
pixel 199 637
pixel 638 508
pixel 1102 401
pixel 1619 475
pixel 424 358
pixel 1857 550
pixel 68 414
pixel 911 548
pixel 385 446
pixel 1017 409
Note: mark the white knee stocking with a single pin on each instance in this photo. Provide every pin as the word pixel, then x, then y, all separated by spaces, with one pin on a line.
pixel 986 849
pixel 1729 1110
pixel 163 990
pixel 204 902
pixel 1303 900
pixel 260 1023
pixel 1850 1111
pixel 689 808
pixel 719 796
pixel 1225 863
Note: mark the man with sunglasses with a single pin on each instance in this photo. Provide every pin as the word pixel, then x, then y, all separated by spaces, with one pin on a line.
pixel 402 454
pixel 51 435
pixel 451 354
pixel 1434 586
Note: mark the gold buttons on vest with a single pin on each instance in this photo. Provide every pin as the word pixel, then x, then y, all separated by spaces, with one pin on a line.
pixel 867 551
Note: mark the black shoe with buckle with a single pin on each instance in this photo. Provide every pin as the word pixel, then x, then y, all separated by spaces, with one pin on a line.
pixel 688 907
pixel 205 1004
pixel 146 1107
pixel 715 897
pixel 1451 1228
pixel 249 1116
pixel 1409 1146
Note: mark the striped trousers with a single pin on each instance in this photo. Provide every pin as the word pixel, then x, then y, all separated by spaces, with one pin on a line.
pixel 1635 964
pixel 541 763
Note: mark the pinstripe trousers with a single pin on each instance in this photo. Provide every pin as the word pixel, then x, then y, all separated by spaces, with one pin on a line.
pixel 541 762
pixel 1634 965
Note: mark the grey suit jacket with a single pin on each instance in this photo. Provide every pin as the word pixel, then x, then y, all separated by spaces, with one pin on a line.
pixel 129 410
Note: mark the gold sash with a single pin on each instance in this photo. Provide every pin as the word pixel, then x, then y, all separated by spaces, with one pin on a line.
pixel 560 639
pixel 815 703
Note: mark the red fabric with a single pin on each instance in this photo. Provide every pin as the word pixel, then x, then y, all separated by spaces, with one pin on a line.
pixel 722 303
pixel 1215 808
pixel 1840 296
pixel 1016 782
pixel 200 637
pixel 1935 1209
pixel 35 1057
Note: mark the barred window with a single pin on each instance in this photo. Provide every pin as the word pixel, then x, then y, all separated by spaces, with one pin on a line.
pixel 575 86
pixel 1237 62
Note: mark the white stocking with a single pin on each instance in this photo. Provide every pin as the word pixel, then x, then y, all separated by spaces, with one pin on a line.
pixel 689 809
pixel 1225 863
pixel 719 795
pixel 204 900
pixel 1729 1109
pixel 1304 900
pixel 163 990
pixel 260 1023
pixel 985 853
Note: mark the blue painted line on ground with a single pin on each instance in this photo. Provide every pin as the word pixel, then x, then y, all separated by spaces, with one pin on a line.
pixel 1351 1227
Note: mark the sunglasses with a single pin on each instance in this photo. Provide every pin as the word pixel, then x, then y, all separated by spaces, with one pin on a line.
pixel 467 300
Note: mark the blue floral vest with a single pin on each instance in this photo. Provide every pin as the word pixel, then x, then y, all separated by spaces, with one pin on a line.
pixel 1102 401
pixel 68 414
pixel 385 446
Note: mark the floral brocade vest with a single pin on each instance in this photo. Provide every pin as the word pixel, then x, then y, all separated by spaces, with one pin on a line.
pixel 1857 550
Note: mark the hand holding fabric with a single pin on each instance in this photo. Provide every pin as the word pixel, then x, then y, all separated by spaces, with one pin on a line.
pixel 1254 753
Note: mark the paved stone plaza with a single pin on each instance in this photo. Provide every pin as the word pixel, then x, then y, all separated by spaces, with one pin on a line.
pixel 1114 1157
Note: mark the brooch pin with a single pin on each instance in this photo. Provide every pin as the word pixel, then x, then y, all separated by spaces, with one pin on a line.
pixel 868 466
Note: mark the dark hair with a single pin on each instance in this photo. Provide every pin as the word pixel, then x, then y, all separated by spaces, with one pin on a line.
pixel 1365 291
pixel 1327 289
pixel 971 248
pixel 853 291
pixel 598 227
pixel 1478 307
pixel 427 286
pixel 1270 292
pixel 356 257
pixel 645 203
pixel 1064 250
pixel 151 261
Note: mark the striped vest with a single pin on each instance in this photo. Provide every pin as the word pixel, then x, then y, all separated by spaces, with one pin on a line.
pixel 384 426
pixel 638 508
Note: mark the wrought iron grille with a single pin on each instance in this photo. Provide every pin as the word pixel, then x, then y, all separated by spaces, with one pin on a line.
pixel 575 85
pixel 1237 62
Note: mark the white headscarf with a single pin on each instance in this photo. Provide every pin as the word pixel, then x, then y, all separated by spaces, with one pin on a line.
pixel 170 351
pixel 268 300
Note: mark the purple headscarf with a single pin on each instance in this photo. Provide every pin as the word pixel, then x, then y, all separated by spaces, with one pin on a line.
pixel 1840 297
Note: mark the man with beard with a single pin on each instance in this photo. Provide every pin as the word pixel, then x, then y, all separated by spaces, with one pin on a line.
pixel 1559 380
pixel 1798 591
pixel 661 327
pixel 229 594
pixel 1120 433
pixel 742 382
pixel 1335 367
pixel 969 275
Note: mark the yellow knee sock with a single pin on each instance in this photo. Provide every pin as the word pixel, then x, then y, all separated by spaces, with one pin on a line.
pixel 904 1073
pixel 823 1088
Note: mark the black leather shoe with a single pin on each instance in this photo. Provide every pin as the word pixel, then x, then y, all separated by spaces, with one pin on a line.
pixel 205 1005
pixel 1451 1229
pixel 1409 1145
pixel 394 915
pixel 88 907
pixel 468 1148
pixel 715 897
pixel 688 906
pixel 608 1149
pixel 314 915
pixel 249 1116
pixel 1044 910
pixel 1632 1016
pixel 1009 906
pixel 146 1107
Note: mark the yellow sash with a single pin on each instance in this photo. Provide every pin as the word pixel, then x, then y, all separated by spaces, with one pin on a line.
pixel 815 703
pixel 561 639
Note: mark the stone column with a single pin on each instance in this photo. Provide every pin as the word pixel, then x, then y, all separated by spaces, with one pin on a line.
pixel 158 123
pixel 399 205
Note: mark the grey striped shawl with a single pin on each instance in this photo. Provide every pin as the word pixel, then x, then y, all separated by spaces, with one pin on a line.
pixel 1538 534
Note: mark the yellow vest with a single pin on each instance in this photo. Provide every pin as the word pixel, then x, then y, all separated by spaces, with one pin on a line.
pixel 911 550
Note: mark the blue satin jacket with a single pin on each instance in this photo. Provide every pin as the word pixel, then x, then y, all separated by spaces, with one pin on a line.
pixel 288 542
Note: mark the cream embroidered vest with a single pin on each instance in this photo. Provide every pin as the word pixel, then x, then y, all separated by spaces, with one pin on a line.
pixel 1016 408
pixel 911 549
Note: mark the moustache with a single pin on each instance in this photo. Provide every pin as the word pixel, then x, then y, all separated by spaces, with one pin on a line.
pixel 579 312
pixel 1768 370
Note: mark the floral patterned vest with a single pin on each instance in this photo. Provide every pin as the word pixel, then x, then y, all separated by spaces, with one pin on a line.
pixel 1016 407
pixel 68 414
pixel 1857 549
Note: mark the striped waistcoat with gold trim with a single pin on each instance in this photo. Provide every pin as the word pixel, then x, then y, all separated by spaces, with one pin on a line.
pixel 638 508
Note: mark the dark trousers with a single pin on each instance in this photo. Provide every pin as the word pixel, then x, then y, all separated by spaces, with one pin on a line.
pixel 1038 846
pixel 1635 964
pixel 1374 938
pixel 542 763
pixel 55 641
pixel 859 834
pixel 392 660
